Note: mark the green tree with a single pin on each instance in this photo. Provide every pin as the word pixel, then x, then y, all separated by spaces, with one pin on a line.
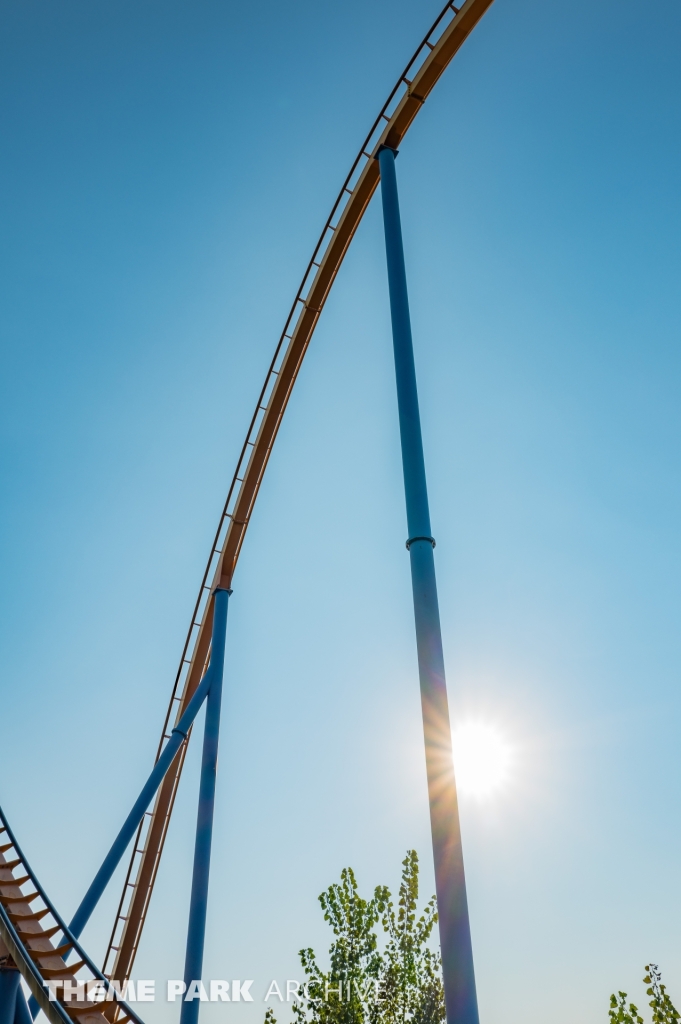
pixel 364 983
pixel 411 984
pixel 620 1014
pixel 346 993
pixel 664 1011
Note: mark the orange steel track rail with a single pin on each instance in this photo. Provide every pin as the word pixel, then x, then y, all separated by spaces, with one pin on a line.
pixel 444 39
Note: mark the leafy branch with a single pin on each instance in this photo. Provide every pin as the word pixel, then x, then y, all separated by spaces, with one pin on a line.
pixel 664 1011
pixel 366 984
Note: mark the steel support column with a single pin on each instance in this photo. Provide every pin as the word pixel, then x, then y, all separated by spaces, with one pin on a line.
pixel 9 986
pixel 450 884
pixel 22 1014
pixel 198 906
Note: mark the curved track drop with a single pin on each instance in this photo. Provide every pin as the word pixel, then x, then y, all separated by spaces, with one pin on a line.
pixel 431 58
pixel 443 40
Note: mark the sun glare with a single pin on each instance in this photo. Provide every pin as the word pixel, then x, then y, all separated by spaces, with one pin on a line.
pixel 482 759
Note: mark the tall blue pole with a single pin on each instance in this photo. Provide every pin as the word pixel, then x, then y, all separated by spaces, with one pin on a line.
pixel 450 883
pixel 198 906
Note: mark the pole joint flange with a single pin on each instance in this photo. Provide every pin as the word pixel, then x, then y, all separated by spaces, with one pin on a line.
pixel 412 540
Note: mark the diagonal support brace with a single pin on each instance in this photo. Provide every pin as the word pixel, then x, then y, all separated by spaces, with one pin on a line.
pixel 131 824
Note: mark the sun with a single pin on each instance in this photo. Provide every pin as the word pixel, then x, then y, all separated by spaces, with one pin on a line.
pixel 482 759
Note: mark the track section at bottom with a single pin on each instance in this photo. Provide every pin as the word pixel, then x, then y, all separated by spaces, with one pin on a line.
pixel 35 941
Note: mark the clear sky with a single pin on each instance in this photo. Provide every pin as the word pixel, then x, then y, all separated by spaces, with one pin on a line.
pixel 166 170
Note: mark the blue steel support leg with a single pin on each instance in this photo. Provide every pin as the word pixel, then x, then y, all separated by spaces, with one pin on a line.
pixel 450 884
pixel 9 986
pixel 21 1011
pixel 131 823
pixel 198 906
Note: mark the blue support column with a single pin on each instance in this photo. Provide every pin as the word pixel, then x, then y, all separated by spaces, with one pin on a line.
pixel 9 986
pixel 450 884
pixel 198 906
pixel 22 1014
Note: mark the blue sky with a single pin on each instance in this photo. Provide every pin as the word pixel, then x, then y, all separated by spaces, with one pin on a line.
pixel 166 171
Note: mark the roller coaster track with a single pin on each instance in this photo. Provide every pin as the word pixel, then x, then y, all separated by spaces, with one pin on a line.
pixel 28 923
pixel 445 37
pixel 28 920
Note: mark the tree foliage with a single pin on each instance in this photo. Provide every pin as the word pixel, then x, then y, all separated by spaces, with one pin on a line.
pixel 411 979
pixel 372 982
pixel 399 980
pixel 620 1013
pixel 664 1011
